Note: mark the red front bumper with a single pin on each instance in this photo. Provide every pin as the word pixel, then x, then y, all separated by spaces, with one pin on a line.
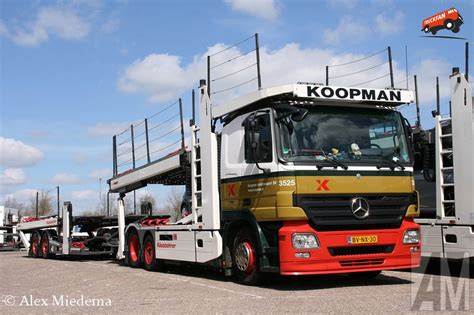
pixel 335 255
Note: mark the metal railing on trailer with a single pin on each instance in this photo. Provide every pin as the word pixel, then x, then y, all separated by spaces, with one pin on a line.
pixel 151 151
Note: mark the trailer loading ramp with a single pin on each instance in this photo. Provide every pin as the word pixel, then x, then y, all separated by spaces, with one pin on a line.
pixel 86 223
pixel 169 170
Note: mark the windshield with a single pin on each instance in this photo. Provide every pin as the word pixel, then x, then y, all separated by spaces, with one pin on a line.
pixel 348 134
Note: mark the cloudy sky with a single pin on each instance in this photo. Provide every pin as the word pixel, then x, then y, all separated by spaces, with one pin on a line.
pixel 73 73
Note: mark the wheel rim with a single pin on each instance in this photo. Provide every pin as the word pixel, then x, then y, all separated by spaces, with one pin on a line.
pixel 148 253
pixel 34 240
pixel 45 245
pixel 134 247
pixel 245 257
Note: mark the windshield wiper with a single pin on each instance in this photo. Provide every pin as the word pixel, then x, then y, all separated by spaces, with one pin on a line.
pixel 392 163
pixel 333 162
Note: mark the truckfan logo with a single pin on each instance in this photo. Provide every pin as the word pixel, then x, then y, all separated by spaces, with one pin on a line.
pixel 360 208
pixel 449 19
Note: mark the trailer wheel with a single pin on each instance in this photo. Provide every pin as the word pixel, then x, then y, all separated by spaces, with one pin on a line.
pixel 34 250
pixel 150 262
pixel 133 251
pixel 45 245
pixel 245 265
pixel 367 275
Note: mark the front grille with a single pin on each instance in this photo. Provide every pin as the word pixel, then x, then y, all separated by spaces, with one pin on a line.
pixel 333 212
pixel 361 250
pixel 363 262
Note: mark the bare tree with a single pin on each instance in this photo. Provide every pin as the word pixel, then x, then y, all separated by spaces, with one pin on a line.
pixel 145 200
pixel 45 203
pixel 128 203
pixel 90 213
pixel 112 204
pixel 11 202
pixel 173 203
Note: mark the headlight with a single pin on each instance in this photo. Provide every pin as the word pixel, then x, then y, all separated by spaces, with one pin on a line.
pixel 411 237
pixel 304 241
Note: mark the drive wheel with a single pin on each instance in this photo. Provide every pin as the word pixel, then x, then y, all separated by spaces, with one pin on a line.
pixel 133 251
pixel 245 265
pixel 367 275
pixel 45 245
pixel 35 240
pixel 150 262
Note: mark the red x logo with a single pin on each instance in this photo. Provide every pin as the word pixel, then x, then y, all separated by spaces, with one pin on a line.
pixel 231 190
pixel 323 184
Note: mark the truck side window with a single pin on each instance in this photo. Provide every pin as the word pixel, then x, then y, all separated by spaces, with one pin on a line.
pixel 263 135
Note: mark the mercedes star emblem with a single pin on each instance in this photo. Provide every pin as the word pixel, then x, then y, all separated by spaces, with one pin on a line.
pixel 360 208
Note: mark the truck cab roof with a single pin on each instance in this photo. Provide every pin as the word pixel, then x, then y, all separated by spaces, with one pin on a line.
pixel 314 94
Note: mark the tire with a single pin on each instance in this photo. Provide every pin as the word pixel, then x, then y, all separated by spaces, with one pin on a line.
pixel 35 240
pixel 434 32
pixel 133 250
pixel 150 263
pixel 455 30
pixel 449 24
pixel 366 275
pixel 45 245
pixel 245 262
pixel 426 29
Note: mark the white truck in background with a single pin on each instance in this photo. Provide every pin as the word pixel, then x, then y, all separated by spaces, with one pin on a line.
pixel 9 218
pixel 447 214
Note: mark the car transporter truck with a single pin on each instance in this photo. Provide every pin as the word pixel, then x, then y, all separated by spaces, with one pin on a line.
pixel 298 179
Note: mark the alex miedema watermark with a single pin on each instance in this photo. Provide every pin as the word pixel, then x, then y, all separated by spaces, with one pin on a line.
pixel 441 286
pixel 54 300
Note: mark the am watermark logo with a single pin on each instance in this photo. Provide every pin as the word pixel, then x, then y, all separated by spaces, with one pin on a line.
pixel 448 289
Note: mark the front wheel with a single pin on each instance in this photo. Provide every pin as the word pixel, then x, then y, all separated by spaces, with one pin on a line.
pixel 245 265
pixel 426 29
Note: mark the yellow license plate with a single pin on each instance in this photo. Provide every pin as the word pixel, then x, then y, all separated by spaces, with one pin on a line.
pixel 363 239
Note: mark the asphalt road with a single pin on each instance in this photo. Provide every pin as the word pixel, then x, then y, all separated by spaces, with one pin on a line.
pixel 66 286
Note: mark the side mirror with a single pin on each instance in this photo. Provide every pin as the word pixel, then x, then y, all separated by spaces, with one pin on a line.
pixel 260 149
pixel 257 147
